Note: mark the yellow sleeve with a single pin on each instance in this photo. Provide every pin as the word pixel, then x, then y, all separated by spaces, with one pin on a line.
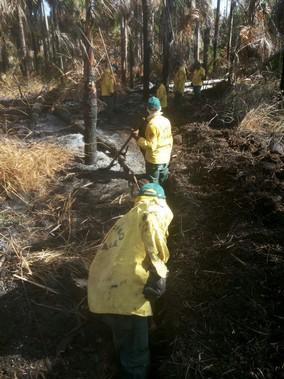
pixel 151 139
pixel 155 243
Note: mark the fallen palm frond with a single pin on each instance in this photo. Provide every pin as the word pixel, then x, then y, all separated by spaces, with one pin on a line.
pixel 264 117
pixel 28 168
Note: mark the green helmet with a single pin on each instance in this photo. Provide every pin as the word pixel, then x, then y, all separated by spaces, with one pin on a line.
pixel 152 189
pixel 154 104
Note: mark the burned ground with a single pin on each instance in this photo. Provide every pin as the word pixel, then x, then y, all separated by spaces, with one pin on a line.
pixel 223 313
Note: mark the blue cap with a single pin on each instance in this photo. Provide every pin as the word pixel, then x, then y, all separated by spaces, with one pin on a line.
pixel 152 189
pixel 154 103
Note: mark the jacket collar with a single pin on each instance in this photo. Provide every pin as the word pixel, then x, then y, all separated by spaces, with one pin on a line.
pixel 154 114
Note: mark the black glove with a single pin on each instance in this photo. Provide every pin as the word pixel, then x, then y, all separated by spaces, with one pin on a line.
pixel 155 287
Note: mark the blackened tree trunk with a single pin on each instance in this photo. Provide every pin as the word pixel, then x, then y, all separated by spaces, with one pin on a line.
pixel 45 34
pixel 206 44
pixel 197 41
pixel 23 44
pixel 282 76
pixel 230 34
pixel 56 37
pixel 131 61
pixel 167 36
pixel 251 11
pixel 230 55
pixel 32 20
pixel 137 34
pixel 146 48
pixel 90 93
pixel 123 46
pixel 216 34
pixel 4 56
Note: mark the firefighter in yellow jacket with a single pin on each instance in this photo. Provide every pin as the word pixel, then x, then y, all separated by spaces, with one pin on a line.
pixel 179 81
pixel 157 143
pixel 128 273
pixel 107 88
pixel 162 95
pixel 198 76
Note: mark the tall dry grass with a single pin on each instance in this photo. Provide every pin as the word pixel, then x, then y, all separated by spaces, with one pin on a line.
pixel 28 168
pixel 264 118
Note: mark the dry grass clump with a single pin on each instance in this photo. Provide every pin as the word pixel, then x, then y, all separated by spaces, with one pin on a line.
pixel 29 167
pixel 44 268
pixel 16 87
pixel 264 117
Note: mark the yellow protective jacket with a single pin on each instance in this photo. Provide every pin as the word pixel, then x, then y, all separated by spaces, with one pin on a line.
pixel 162 95
pixel 158 141
pixel 198 76
pixel 121 266
pixel 179 80
pixel 107 83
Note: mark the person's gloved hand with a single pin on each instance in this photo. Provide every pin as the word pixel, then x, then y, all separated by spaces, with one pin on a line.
pixel 135 133
pixel 155 287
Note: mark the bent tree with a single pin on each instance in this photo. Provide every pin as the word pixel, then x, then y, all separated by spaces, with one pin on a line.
pixel 90 93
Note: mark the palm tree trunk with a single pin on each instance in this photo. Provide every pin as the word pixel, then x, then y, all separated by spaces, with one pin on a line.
pixel 251 11
pixel 56 33
pixel 282 75
pixel 123 46
pixel 131 61
pixel 206 44
pixel 90 93
pixel 146 48
pixel 197 41
pixel 216 34
pixel 4 56
pixel 137 32
pixel 45 34
pixel 166 33
pixel 230 39
pixel 23 44
pixel 231 23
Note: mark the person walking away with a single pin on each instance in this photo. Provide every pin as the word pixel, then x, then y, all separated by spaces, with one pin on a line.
pixel 179 82
pixel 162 95
pixel 198 76
pixel 129 273
pixel 107 88
pixel 157 143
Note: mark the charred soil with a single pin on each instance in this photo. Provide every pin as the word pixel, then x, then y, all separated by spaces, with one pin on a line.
pixel 223 312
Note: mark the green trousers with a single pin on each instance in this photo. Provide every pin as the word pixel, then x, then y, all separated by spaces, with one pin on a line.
pixel 157 173
pixel 131 341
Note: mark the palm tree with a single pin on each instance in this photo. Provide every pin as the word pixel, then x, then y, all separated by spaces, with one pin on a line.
pixel 16 9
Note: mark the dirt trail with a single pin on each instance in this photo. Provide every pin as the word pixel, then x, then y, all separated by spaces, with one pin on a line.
pixel 222 315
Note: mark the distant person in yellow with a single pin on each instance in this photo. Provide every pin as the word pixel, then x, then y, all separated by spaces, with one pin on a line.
pixel 179 81
pixel 128 274
pixel 162 95
pixel 198 76
pixel 107 88
pixel 157 143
